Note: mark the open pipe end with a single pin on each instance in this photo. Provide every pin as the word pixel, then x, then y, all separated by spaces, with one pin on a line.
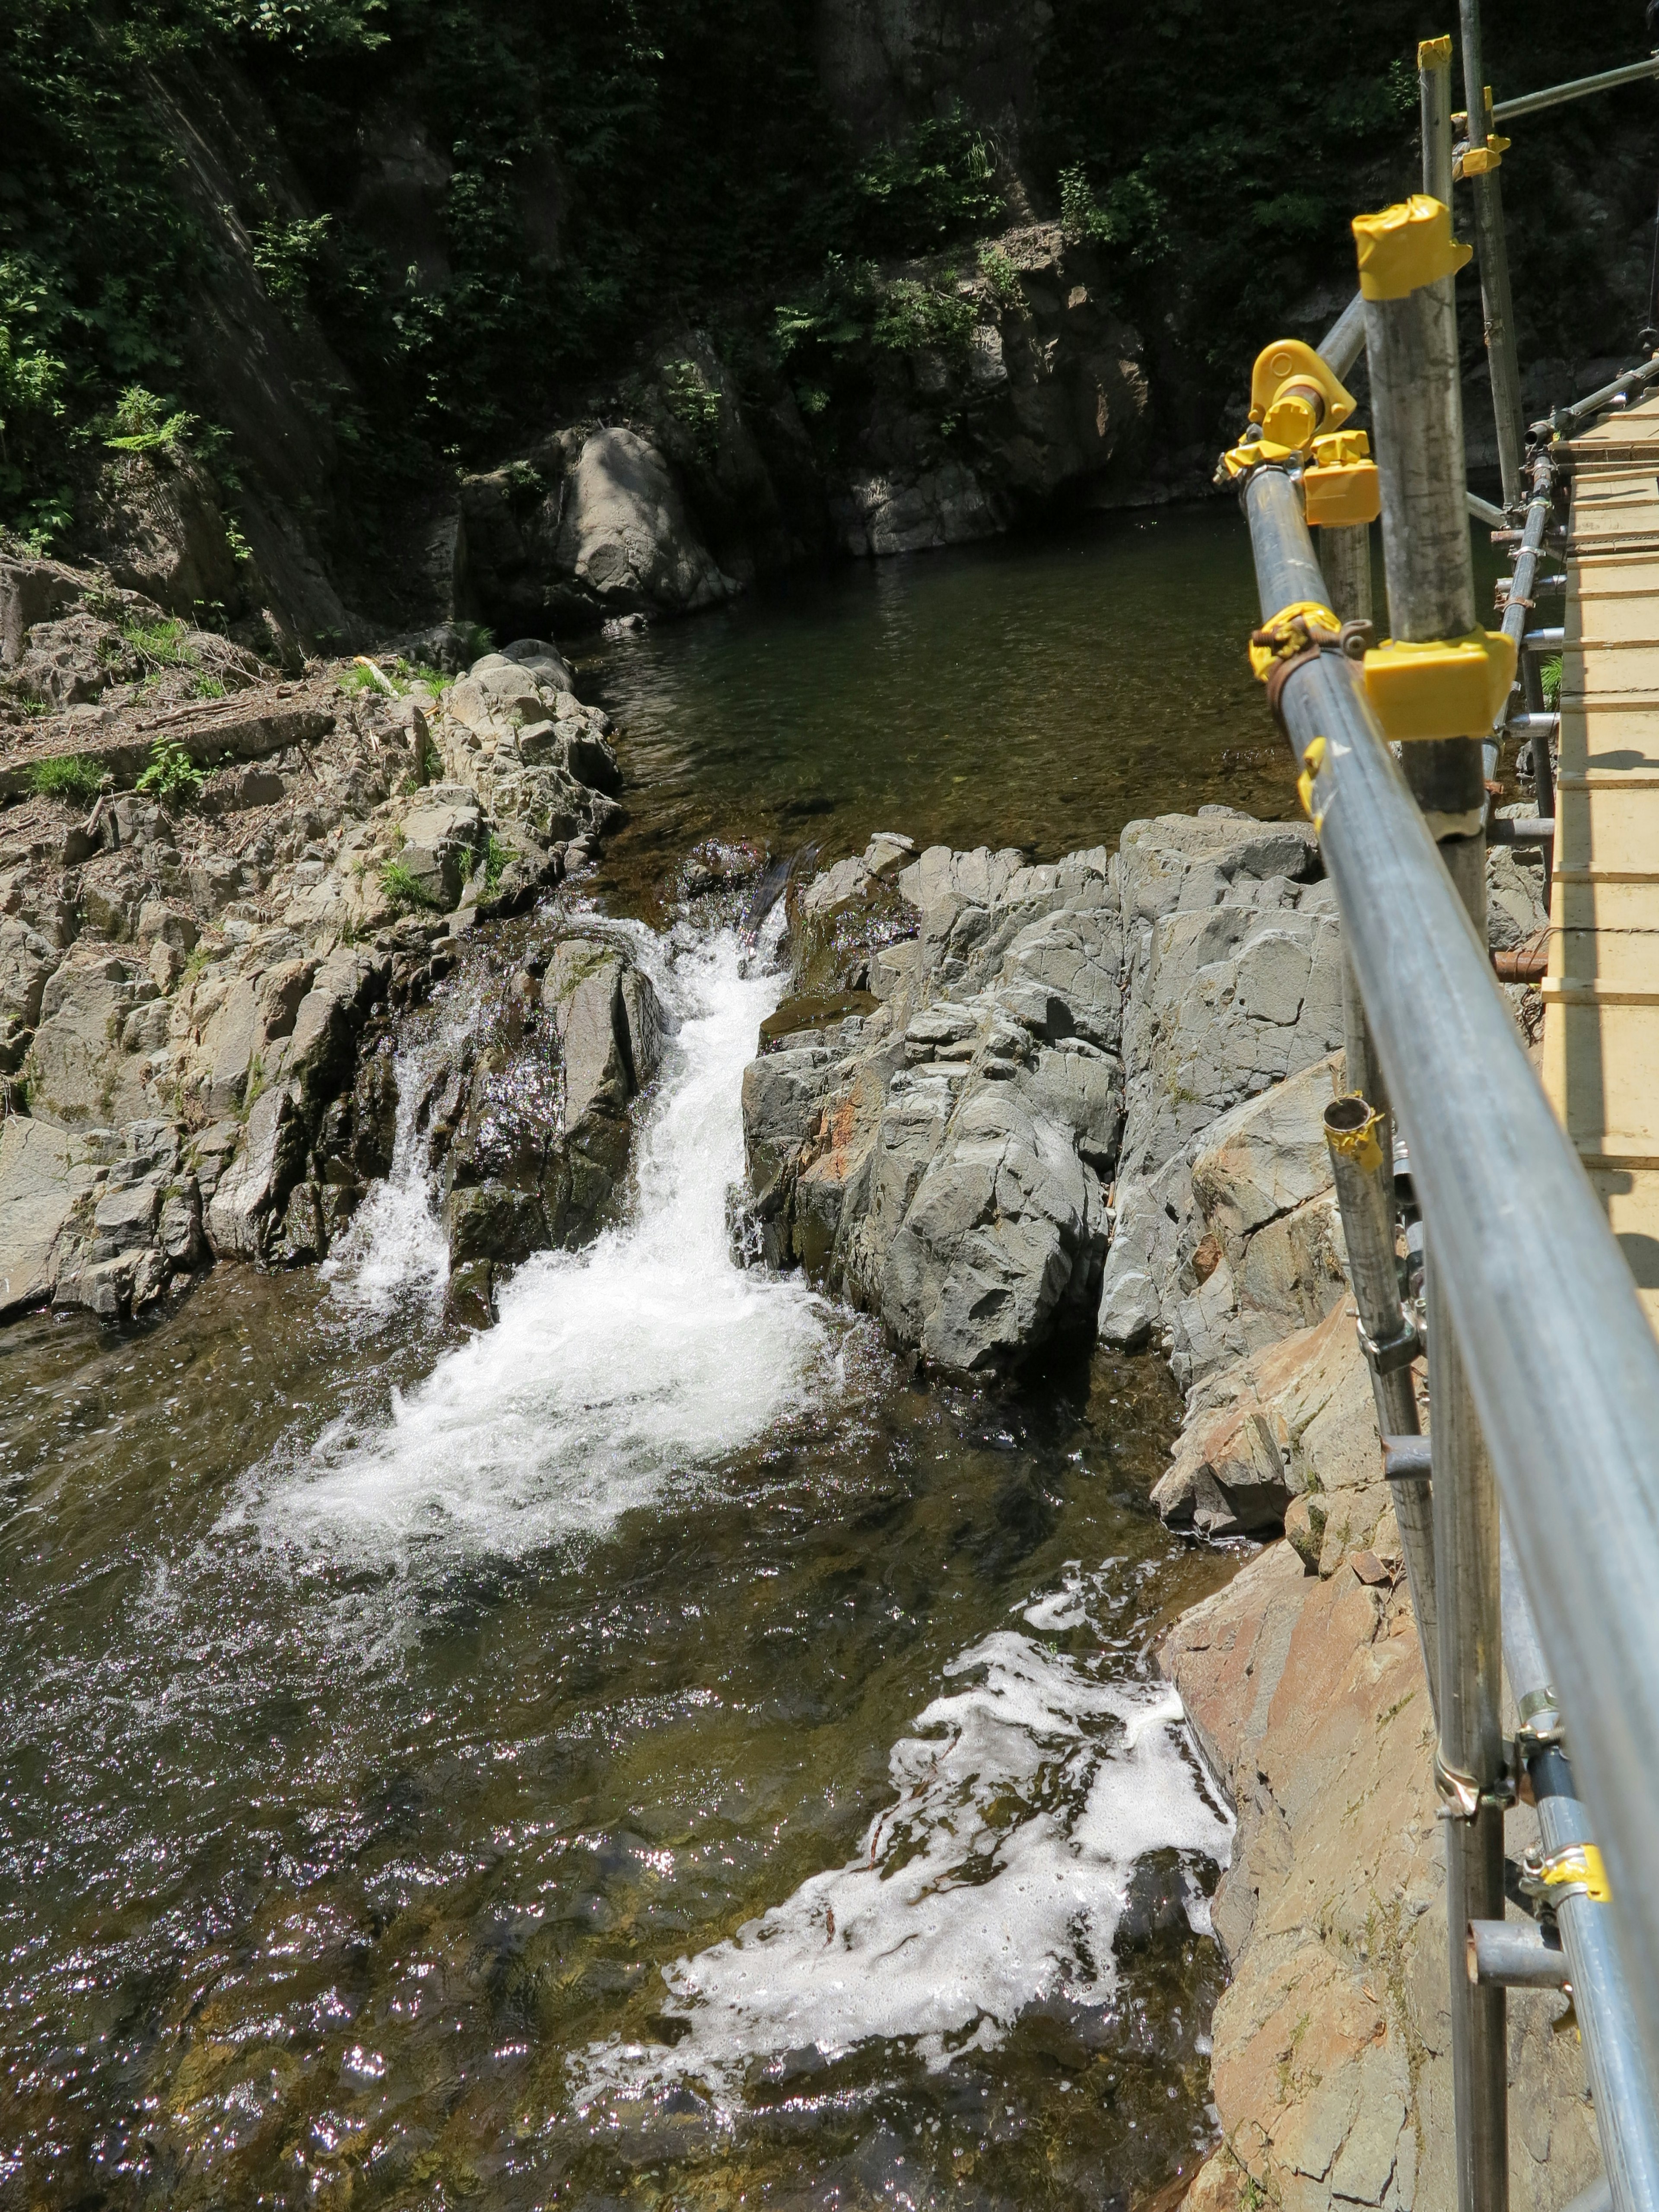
pixel 1343 1117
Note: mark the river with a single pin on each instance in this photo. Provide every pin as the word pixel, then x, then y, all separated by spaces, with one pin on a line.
pixel 661 1751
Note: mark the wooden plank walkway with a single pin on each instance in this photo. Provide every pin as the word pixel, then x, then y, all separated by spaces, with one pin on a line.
pixel 1601 990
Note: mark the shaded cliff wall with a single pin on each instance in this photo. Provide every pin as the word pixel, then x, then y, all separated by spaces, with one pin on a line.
pixel 366 243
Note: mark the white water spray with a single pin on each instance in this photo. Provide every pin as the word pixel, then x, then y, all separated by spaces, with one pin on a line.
pixel 1029 1792
pixel 612 1372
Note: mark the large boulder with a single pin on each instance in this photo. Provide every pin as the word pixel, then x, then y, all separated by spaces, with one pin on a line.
pixel 597 526
pixel 939 1159
pixel 627 544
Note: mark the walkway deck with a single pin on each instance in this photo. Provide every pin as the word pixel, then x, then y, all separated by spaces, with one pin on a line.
pixel 1602 991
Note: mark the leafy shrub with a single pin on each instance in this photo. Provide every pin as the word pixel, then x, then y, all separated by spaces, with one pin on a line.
pixel 1002 280
pixel 73 776
pixel 911 316
pixel 1549 676
pixel 692 400
pixel 404 890
pixel 286 255
pixel 935 185
pixel 171 775
pixel 141 426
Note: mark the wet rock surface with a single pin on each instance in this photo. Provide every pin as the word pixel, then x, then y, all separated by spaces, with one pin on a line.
pixel 530 1118
pixel 199 978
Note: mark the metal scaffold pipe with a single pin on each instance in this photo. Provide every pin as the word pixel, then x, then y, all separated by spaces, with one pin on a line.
pixel 1345 341
pixel 1411 337
pixel 1533 103
pixel 1541 477
pixel 1434 60
pixel 1481 170
pixel 1563 1365
pixel 1613 2057
pixel 1362 1166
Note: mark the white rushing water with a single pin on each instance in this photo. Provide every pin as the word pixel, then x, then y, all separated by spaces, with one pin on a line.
pixel 612 1371
pixel 1027 1795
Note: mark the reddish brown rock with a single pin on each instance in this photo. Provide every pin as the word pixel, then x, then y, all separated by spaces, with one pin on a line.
pixel 1332 2069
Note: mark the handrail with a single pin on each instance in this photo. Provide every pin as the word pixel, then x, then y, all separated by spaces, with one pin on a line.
pixel 1533 103
pixel 1562 1365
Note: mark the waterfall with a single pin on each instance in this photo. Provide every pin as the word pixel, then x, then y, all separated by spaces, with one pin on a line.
pixel 640 1361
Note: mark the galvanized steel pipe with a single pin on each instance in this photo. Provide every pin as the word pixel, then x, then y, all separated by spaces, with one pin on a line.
pixel 1563 1365
pixel 1515 1954
pixel 1364 1176
pixel 1492 249
pixel 1533 103
pixel 1613 2057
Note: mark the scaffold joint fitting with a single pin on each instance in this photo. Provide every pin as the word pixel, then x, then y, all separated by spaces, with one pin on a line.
pixel 1452 687
pixel 1575 1870
pixel 1407 246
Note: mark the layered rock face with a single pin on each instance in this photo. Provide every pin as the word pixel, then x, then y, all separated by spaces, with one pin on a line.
pixel 198 982
pixel 953 1157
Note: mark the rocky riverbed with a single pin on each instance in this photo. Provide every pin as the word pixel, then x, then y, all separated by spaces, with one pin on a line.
pixel 1008 1108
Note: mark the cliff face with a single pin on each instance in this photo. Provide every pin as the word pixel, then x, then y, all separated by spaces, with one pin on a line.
pixel 869 277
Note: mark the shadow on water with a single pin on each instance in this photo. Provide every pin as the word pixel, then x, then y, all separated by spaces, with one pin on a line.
pixel 440 1769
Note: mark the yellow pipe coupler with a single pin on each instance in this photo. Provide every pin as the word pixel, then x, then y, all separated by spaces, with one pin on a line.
pixel 1294 395
pixel 1452 687
pixel 1340 485
pixel 1405 247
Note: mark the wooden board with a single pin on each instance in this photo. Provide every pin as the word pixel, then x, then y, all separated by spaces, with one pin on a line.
pixel 1602 992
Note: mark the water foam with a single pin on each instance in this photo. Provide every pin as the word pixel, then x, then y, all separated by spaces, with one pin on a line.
pixel 997 1880
pixel 612 1372
pixel 395 1251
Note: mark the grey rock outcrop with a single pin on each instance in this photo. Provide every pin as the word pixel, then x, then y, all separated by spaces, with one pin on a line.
pixel 945 1158
pixel 940 1160
pixel 104 1218
pixel 533 1130
pixel 1234 983
pixel 1044 394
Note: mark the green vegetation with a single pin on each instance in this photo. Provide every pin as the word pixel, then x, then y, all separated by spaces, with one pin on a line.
pixel 497 856
pixel 404 891
pixel 160 644
pixel 593 171
pixel 1549 676
pixel 172 776
pixel 75 777
pixel 1002 280
pixel 140 424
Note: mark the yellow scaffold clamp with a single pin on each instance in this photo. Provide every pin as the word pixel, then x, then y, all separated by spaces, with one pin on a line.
pixel 1450 687
pixel 1313 759
pixel 1478 161
pixel 1291 631
pixel 1575 1870
pixel 1364 1145
pixel 1407 246
pixel 1339 485
pixel 1294 397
